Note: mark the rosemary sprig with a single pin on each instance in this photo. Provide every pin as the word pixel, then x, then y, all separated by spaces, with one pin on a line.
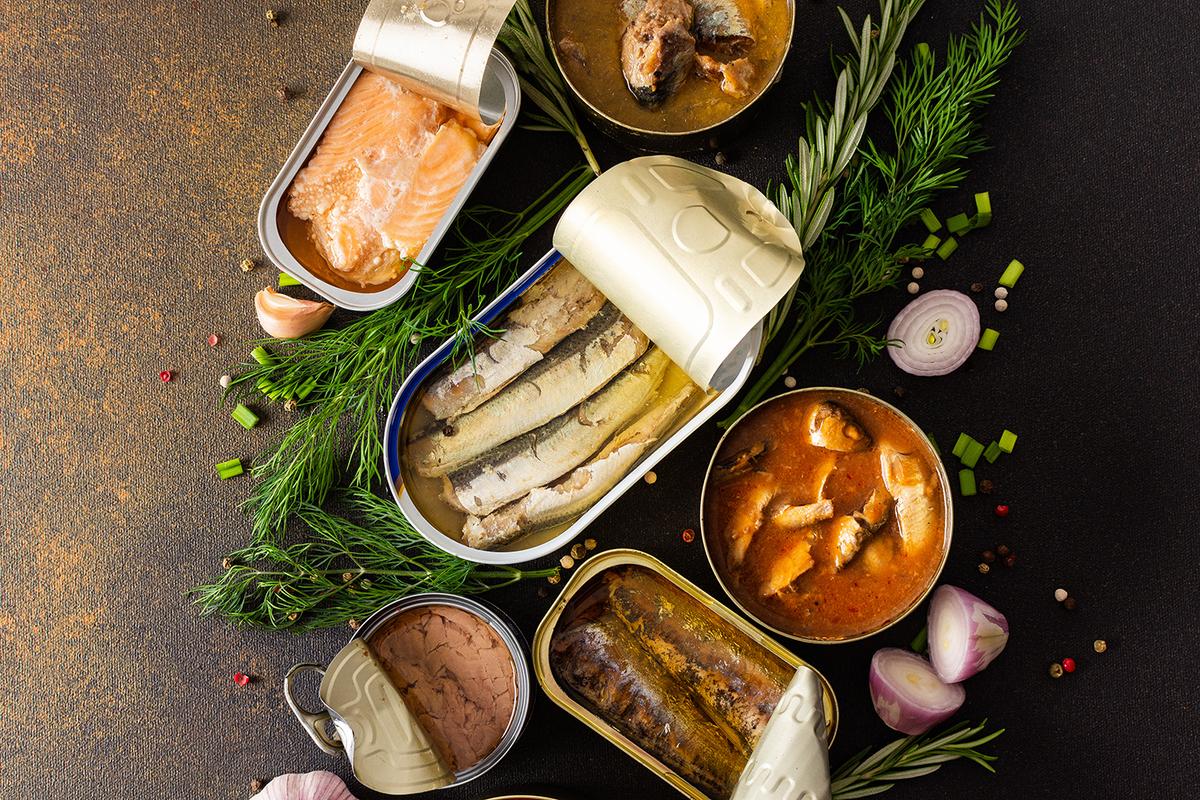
pixel 540 79
pixel 355 369
pixel 343 571
pixel 832 135
pixel 936 120
pixel 911 757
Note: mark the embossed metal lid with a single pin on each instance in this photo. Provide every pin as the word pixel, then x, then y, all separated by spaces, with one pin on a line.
pixel 791 761
pixel 389 750
pixel 438 48
pixel 693 256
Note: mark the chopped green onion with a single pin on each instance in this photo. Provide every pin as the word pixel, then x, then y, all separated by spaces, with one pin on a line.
pixel 923 52
pixel 961 444
pixel 988 339
pixel 287 280
pixel 992 453
pixel 1007 440
pixel 921 641
pixel 932 223
pixel 983 210
pixel 1011 273
pixel 275 393
pixel 229 469
pixel 966 482
pixel 261 355
pixel 931 242
pixel 947 247
pixel 306 388
pixel 959 223
pixel 971 454
pixel 245 416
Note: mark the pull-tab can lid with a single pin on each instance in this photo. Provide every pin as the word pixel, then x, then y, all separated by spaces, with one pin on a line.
pixel 437 48
pixel 388 749
pixel 694 257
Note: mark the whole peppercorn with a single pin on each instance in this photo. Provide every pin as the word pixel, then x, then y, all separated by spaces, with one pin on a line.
pixel 354 624
pixel 247 264
pixel 986 486
pixel 578 551
pixel 688 535
pixel 289 404
pixel 984 568
pixel 1003 550
pixel 988 556
pixel 1099 645
pixel 567 562
pixel 255 786
pixel 1010 560
pixel 273 17
pixel 226 563
pixel 721 158
pixel 900 392
pixel 977 287
pixel 1068 664
pixel 283 93
pixel 650 477
pixel 1056 670
pixel 590 544
pixel 554 579
pixel 1070 604
pixel 1061 595
pixel 1001 510
pixel 241 679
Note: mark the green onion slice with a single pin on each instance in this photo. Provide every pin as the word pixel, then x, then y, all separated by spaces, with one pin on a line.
pixel 931 242
pixel 245 416
pixel 229 469
pixel 1011 273
pixel 958 224
pixel 992 452
pixel 987 340
pixel 1007 440
pixel 947 248
pixel 261 355
pixel 971 454
pixel 961 444
pixel 966 482
pixel 287 280
pixel 932 223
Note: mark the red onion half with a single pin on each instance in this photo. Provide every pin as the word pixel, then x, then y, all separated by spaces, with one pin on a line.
pixel 908 695
pixel 965 633
pixel 937 333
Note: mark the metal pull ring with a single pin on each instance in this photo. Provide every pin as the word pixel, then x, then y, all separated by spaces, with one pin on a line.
pixel 314 722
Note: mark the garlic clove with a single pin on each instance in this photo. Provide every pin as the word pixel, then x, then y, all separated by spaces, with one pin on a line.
pixel 306 786
pixel 289 317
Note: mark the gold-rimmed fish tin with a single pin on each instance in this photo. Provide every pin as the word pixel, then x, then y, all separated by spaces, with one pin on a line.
pixel 359 712
pixel 591 570
pixel 693 257
pixel 645 139
pixel 932 457
pixel 438 49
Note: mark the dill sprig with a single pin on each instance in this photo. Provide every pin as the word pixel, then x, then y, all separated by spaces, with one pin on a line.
pixel 935 116
pixel 354 370
pixel 343 570
pixel 540 79
pixel 911 757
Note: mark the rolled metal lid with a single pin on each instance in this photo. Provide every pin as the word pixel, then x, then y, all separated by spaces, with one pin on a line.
pixel 695 257
pixel 791 761
pixel 437 48
pixel 387 747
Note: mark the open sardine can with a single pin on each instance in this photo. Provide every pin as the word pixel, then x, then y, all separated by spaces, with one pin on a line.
pixel 366 717
pixel 394 151
pixel 707 656
pixel 617 345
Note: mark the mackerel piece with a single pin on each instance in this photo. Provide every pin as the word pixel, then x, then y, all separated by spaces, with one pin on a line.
pixel 549 505
pixel 549 452
pixel 719 26
pixel 556 306
pixel 580 364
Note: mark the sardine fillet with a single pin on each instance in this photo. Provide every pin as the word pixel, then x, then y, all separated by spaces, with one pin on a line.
pixel 738 689
pixel 542 455
pixel 625 686
pixel 657 49
pixel 553 308
pixel 573 371
pixel 912 488
pixel 747 516
pixel 574 494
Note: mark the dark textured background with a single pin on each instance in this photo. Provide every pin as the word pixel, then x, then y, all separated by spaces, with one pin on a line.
pixel 135 143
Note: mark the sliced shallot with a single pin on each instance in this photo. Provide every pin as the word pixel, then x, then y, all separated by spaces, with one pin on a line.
pixel 965 633
pixel 934 334
pixel 908 695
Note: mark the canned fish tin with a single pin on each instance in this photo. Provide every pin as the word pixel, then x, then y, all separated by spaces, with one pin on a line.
pixel 410 421
pixel 402 724
pixel 626 624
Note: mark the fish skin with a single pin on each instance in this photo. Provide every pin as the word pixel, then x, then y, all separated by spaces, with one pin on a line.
pixel 580 364
pixel 748 515
pixel 803 516
pixel 619 681
pixel 912 487
pixel 578 491
pixel 722 28
pixel 549 452
pixel 834 428
pixel 738 685
pixel 790 562
pixel 553 308
pixel 850 532
pixel 657 50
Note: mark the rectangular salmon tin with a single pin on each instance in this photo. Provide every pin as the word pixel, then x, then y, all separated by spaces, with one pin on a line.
pixel 500 98
pixel 538 544
pixel 591 570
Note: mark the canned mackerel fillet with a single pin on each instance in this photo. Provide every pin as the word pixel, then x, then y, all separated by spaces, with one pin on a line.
pixel 394 151
pixel 405 726
pixel 639 327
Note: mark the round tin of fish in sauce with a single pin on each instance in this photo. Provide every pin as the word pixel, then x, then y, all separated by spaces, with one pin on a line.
pixel 649 140
pixel 931 458
pixel 380 729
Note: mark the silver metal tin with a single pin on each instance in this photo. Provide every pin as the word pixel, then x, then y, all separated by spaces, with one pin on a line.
pixel 501 97
pixel 727 381
pixel 316 724
pixel 947 499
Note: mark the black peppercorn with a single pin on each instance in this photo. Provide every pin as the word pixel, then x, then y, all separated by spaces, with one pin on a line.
pixel 988 556
pixel 900 391
pixel 1010 560
pixel 1003 550
pixel 977 287
pixel 1070 604
pixel 986 486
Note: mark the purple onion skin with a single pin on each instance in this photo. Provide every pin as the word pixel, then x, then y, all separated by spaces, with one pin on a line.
pixel 907 714
pixel 986 634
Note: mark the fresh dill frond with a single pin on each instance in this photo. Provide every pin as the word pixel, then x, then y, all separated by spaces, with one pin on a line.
pixel 342 571
pixel 935 116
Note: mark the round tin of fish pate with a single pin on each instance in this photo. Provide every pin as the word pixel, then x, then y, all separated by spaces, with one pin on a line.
pixel 947 510
pixel 360 730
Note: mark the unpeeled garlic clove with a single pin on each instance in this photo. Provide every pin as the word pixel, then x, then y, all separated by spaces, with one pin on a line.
pixel 288 317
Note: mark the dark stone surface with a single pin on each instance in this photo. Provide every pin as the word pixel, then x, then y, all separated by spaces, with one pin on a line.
pixel 135 143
